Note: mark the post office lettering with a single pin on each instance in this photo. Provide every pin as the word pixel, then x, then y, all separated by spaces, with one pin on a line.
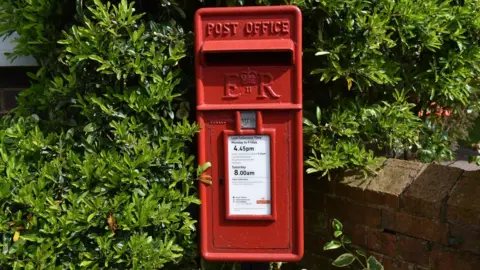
pixel 222 29
pixel 270 28
pixel 249 29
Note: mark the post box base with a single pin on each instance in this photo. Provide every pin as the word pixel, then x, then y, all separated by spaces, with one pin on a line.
pixel 251 257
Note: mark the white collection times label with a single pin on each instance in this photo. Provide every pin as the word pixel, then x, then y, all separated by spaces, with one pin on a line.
pixel 249 175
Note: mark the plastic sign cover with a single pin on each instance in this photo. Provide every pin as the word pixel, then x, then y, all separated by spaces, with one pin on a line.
pixel 249 175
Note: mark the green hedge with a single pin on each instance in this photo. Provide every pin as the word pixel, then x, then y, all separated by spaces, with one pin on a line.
pixel 97 166
pixel 390 79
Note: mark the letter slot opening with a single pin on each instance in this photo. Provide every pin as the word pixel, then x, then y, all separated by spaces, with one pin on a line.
pixel 277 58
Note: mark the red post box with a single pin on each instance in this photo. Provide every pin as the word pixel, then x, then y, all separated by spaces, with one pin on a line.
pixel 249 108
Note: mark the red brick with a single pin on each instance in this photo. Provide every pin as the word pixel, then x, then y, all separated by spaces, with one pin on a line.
pixel 463 207
pixel 316 222
pixel 426 194
pixel 391 181
pixel 314 243
pixel 390 263
pixel 472 174
pixel 314 200
pixel 351 212
pixel 379 190
pixel 450 260
pixel 380 241
pixel 465 238
pixel 416 226
pixel 356 233
pixel 315 183
pixel 350 185
pixel 413 250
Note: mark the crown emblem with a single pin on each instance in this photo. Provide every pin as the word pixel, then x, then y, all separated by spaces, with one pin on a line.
pixel 249 78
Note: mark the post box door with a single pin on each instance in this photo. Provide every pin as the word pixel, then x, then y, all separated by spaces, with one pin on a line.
pixel 248 67
pixel 271 227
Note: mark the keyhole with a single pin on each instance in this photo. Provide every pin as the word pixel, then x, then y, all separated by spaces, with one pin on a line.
pixel 221 180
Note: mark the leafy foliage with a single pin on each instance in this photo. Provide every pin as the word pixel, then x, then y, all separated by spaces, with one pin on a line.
pixel 359 55
pixel 349 257
pixel 340 143
pixel 96 168
pixel 367 52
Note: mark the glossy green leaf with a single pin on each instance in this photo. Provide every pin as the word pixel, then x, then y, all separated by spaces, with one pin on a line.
pixel 344 260
pixel 96 58
pixel 337 225
pixel 90 127
pixel 90 217
pixel 361 252
pixel 334 244
pixel 374 264
pixel 318 114
pixel 346 240
pixel 205 166
pixel 86 263
pixel 321 53
pixel 307 122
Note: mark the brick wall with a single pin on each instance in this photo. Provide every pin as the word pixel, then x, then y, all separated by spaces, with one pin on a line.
pixel 410 216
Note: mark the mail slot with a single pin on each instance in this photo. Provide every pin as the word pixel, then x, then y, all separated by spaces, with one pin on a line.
pixel 249 107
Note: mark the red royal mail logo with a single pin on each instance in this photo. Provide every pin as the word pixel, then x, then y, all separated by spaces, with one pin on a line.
pixel 263 201
pixel 249 78
pixel 246 82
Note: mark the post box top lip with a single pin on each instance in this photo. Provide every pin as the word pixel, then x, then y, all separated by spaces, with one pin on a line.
pixel 212 12
pixel 248 10
pixel 291 43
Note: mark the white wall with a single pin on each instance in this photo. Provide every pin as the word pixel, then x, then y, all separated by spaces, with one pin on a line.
pixel 7 46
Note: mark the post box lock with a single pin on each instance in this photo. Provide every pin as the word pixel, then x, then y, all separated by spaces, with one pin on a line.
pixel 249 107
pixel 249 119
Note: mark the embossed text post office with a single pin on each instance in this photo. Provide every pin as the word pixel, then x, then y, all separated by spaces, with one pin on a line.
pixel 249 108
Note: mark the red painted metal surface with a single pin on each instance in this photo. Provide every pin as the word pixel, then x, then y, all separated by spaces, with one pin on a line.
pixel 250 59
